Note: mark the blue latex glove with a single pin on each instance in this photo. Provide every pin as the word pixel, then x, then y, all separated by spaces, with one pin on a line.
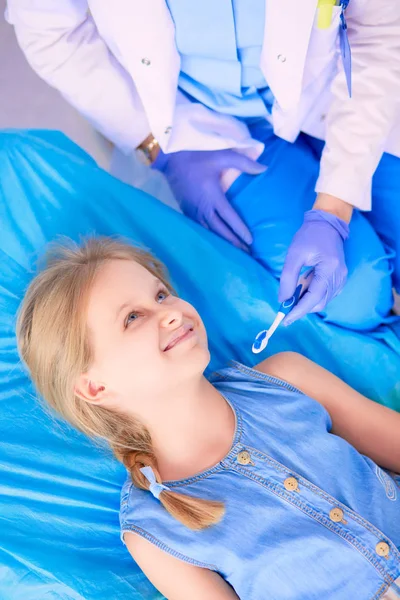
pixel 194 177
pixel 318 244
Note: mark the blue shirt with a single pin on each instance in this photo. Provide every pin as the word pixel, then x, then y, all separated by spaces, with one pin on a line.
pixel 307 516
pixel 220 44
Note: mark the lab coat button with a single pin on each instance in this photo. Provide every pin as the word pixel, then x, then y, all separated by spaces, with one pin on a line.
pixel 281 58
pixel 168 130
pixel 382 549
pixel 146 62
pixel 291 484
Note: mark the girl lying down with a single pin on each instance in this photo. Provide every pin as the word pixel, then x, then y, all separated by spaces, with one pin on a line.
pixel 259 484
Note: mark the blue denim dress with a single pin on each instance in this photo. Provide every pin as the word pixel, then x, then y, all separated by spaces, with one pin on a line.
pixel 307 516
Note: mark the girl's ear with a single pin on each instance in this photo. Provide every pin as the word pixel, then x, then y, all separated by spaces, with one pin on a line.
pixel 89 390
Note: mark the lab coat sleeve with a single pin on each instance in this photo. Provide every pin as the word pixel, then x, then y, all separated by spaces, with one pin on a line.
pixel 358 127
pixel 63 46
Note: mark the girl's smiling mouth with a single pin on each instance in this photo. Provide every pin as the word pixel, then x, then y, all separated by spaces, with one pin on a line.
pixel 182 334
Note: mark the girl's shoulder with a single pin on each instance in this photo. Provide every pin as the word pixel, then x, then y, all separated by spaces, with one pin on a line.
pixel 132 499
pixel 259 397
pixel 237 376
pixel 142 514
pixel 137 507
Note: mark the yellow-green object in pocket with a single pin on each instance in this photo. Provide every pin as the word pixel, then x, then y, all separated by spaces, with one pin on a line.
pixel 325 9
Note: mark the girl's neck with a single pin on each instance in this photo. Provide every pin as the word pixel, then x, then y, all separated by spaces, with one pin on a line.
pixel 199 435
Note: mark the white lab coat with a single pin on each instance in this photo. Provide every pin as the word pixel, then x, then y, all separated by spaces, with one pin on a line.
pixel 118 64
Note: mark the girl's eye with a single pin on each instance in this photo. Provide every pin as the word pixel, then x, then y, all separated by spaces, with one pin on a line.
pixel 162 294
pixel 131 317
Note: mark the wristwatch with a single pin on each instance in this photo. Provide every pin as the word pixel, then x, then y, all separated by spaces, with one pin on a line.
pixel 148 150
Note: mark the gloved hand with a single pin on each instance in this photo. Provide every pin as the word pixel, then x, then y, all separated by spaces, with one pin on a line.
pixel 194 177
pixel 318 244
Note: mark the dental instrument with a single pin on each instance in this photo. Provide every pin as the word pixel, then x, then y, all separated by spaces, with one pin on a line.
pixel 262 338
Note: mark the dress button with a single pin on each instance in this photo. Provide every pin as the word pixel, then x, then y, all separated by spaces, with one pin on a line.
pixel 382 549
pixel 244 458
pixel 146 61
pixel 291 484
pixel 336 515
pixel 281 58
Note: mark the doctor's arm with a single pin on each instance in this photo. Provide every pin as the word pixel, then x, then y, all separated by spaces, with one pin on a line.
pixel 371 428
pixel 62 44
pixel 357 128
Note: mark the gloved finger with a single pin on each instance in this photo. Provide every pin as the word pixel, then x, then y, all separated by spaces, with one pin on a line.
pixel 216 224
pixel 229 215
pixel 290 275
pixel 224 232
pixel 342 278
pixel 321 305
pixel 335 289
pixel 315 296
pixel 243 163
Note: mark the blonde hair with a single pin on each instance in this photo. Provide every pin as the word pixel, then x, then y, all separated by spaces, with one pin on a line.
pixel 53 342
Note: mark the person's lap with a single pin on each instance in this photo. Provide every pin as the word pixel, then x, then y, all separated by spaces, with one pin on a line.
pixel 273 205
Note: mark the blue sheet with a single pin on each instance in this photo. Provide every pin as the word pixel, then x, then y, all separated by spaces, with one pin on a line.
pixel 59 494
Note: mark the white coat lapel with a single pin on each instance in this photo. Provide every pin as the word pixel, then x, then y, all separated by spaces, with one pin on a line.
pixel 288 25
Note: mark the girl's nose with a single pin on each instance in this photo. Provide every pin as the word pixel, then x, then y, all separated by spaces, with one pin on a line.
pixel 171 318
